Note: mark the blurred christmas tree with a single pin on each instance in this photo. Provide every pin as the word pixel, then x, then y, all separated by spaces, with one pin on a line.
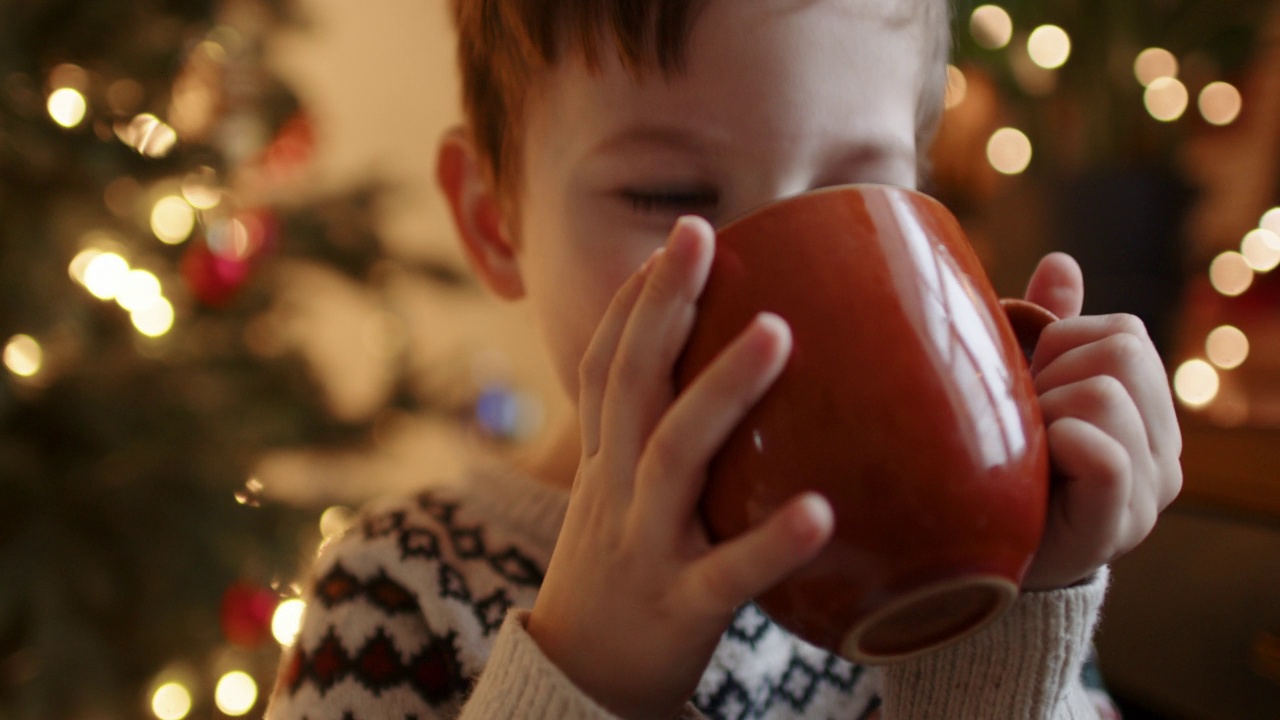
pixel 145 158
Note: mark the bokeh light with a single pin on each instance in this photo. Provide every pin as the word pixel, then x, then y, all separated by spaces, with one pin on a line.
pixel 23 355
pixel 235 693
pixel 1009 151
pixel 153 319
pixel 1230 274
pixel 1271 220
pixel 80 263
pixel 148 134
pixel 1227 347
pixel 105 274
pixel 334 521
pixel 1049 46
pixel 171 701
pixel 287 621
pixel 1261 249
pixel 957 87
pixel 1166 99
pixel 991 26
pixel 139 289
pixel 1196 383
pixel 1220 103
pixel 200 188
pixel 67 107
pixel 172 219
pixel 1154 63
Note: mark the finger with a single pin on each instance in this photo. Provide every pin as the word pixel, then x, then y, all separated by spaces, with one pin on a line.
pixel 1119 346
pixel 739 569
pixel 672 469
pixel 1057 285
pixel 593 371
pixel 1086 506
pixel 1104 404
pixel 639 386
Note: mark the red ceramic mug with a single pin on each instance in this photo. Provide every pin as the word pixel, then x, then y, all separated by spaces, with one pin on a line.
pixel 906 402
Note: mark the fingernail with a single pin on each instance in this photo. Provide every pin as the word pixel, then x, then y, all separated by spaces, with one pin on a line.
pixel 648 264
pixel 817 518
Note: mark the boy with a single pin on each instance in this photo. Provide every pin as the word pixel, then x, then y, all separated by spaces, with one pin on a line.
pixel 594 126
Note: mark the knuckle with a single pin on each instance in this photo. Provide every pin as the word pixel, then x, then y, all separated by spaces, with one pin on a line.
pixel 1128 324
pixel 1124 349
pixel 1102 393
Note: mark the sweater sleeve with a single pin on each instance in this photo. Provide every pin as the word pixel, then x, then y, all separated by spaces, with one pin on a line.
pixel 519 681
pixel 1025 665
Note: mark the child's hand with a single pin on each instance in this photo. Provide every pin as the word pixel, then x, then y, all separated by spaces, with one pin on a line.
pixel 635 598
pixel 1113 437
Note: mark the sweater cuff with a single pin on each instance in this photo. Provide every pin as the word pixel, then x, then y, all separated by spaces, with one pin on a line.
pixel 519 681
pixel 1027 664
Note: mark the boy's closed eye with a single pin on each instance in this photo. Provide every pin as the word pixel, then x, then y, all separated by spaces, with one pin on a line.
pixel 670 201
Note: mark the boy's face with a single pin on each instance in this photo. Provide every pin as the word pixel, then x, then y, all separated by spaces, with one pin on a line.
pixel 777 97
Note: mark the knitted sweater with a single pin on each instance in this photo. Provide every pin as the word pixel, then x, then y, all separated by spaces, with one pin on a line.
pixel 419 612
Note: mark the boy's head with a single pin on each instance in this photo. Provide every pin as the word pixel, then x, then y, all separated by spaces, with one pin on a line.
pixel 593 124
pixel 504 44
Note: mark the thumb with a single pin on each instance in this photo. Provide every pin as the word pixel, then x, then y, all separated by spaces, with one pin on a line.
pixel 1057 285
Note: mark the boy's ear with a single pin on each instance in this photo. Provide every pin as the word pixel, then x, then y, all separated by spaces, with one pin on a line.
pixel 477 214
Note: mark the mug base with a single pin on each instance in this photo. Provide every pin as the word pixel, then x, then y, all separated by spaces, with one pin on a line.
pixel 928 618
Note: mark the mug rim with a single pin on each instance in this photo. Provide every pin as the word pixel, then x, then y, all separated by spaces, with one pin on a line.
pixel 842 188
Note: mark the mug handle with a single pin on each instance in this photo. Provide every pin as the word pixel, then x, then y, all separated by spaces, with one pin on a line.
pixel 1028 321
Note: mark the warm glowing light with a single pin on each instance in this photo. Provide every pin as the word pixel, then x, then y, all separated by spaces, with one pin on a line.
pixel 1271 220
pixel 1196 383
pixel 991 26
pixel 67 107
pixel 1220 103
pixel 1230 274
pixel 153 319
pixel 172 219
pixel 235 693
pixel 148 134
pixel 105 274
pixel 1261 249
pixel 1154 63
pixel 335 521
pixel 80 263
pixel 139 289
pixel 1009 151
pixel 201 189
pixel 171 701
pixel 1166 99
pixel 1049 46
pixel 287 621
pixel 23 356
pixel 957 87
pixel 1227 347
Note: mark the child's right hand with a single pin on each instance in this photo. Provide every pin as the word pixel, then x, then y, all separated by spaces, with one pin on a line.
pixel 636 597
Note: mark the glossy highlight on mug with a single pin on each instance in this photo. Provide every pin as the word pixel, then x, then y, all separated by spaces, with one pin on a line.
pixel 906 402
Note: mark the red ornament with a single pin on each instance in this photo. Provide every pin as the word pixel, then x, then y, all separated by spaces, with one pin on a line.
pixel 246 613
pixel 212 278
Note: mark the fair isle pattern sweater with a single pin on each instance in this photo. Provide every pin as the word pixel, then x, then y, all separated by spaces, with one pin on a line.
pixel 418 612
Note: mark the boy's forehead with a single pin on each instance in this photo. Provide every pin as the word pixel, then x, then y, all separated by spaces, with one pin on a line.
pixel 779 69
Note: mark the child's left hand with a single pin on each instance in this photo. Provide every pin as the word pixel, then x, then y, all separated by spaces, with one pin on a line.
pixel 1114 441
